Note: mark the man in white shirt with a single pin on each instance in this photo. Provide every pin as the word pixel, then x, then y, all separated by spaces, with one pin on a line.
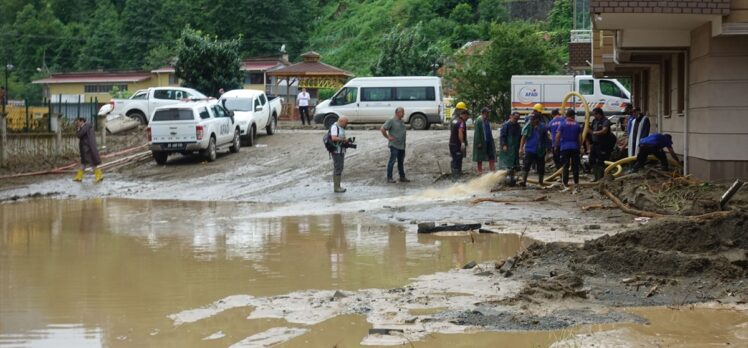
pixel 302 101
pixel 337 135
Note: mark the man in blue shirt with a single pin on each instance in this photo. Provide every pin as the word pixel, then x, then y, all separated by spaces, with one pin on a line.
pixel 553 126
pixel 533 145
pixel 653 145
pixel 569 141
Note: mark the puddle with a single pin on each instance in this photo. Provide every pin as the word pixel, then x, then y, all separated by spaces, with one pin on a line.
pixel 108 272
pixel 125 273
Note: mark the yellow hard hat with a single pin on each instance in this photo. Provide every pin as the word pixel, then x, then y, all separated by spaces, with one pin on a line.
pixel 538 107
pixel 461 105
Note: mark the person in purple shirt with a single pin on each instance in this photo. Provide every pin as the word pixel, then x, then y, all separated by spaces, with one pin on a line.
pixel 569 140
pixel 553 126
pixel 653 145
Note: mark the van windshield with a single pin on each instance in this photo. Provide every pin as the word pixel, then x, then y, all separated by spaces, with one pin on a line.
pixel 237 104
pixel 173 115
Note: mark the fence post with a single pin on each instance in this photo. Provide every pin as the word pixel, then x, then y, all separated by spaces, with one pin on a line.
pixel 28 126
pixel 58 134
pixel 3 141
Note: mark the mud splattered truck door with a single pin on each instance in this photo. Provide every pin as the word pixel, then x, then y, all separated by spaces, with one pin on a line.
pixel 550 90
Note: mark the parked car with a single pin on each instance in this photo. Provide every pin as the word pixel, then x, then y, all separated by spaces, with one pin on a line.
pixel 188 127
pixel 374 99
pixel 142 104
pixel 550 90
pixel 253 110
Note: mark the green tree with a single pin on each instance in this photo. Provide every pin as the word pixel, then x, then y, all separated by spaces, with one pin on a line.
pixel 143 27
pixel 515 49
pixel 405 52
pixel 208 64
pixel 37 40
pixel 102 32
pixel 159 56
pixel 492 10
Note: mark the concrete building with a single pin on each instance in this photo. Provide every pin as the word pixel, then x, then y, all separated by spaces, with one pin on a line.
pixel 688 63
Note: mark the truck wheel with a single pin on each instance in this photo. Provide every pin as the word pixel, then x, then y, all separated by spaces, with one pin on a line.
pixel 210 152
pixel 138 116
pixel 160 157
pixel 272 125
pixel 235 144
pixel 330 119
pixel 419 122
pixel 251 136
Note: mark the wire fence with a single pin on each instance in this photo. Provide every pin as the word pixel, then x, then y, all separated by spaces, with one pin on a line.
pixel 25 117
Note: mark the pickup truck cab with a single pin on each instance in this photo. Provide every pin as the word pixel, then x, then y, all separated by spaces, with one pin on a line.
pixel 189 127
pixel 253 110
pixel 143 102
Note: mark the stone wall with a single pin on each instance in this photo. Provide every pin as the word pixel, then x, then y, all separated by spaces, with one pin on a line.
pixel 41 147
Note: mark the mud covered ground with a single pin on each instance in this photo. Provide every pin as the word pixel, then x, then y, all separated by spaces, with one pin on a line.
pixel 591 258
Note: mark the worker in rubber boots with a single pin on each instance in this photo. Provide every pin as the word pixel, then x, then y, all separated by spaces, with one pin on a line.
pixel 653 145
pixel 458 143
pixel 556 120
pixel 600 143
pixel 89 153
pixel 484 147
pixel 533 145
pixel 337 135
pixel 569 140
pixel 509 137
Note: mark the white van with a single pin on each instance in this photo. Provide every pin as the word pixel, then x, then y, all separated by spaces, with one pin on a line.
pixel 374 99
pixel 550 90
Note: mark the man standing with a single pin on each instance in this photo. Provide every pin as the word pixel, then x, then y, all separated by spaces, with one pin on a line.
pixel 569 140
pixel 89 152
pixel 394 130
pixel 553 126
pixel 302 101
pixel 653 145
pixel 637 129
pixel 537 110
pixel 509 138
pixel 459 108
pixel 458 143
pixel 484 147
pixel 533 145
pixel 601 143
pixel 337 135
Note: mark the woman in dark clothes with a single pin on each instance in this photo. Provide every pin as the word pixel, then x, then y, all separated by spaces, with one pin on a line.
pixel 89 153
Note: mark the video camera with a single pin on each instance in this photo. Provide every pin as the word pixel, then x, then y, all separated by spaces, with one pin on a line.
pixel 350 143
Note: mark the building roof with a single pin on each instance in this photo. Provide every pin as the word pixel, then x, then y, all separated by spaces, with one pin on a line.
pixel 260 64
pixel 311 66
pixel 164 69
pixel 96 77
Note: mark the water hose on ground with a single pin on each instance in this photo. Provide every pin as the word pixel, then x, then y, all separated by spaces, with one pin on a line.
pixel 619 164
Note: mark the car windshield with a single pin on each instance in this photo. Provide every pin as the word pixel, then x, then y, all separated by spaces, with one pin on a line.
pixel 173 115
pixel 237 104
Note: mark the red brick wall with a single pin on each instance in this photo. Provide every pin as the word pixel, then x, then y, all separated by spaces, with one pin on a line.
pixel 579 54
pixel 711 7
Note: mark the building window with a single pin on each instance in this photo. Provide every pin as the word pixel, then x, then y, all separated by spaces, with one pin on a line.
pixel 254 78
pixel 103 88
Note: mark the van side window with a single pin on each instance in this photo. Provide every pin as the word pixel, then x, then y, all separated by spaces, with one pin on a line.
pixel 587 87
pixel 376 94
pixel 609 88
pixel 345 96
pixel 415 93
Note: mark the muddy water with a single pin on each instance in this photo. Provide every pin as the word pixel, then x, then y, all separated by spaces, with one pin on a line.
pixel 108 272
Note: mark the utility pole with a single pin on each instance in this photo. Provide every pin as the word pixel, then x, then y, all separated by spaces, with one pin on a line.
pixel 3 124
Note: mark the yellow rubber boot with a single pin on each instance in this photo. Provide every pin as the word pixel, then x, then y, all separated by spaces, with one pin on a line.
pixel 98 175
pixel 78 175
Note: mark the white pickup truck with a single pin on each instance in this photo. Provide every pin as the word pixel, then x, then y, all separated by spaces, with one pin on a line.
pixel 253 110
pixel 144 102
pixel 188 127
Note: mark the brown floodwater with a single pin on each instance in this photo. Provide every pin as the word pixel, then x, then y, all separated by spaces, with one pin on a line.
pixel 107 273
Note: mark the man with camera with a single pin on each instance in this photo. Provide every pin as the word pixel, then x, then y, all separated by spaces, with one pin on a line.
pixel 394 131
pixel 337 135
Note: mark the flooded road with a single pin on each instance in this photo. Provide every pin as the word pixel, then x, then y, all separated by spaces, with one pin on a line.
pixel 113 273
pixel 108 272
